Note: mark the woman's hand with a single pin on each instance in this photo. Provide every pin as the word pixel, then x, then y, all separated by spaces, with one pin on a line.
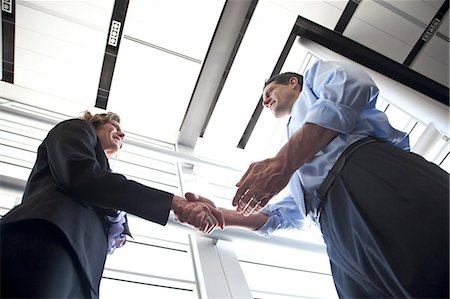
pixel 202 215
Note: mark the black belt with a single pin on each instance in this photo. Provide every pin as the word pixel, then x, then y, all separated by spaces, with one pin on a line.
pixel 314 204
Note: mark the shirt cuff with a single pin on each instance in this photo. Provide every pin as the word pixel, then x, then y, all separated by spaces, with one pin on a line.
pixel 280 218
pixel 266 229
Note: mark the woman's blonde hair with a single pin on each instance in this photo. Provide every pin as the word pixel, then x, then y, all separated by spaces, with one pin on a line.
pixel 99 118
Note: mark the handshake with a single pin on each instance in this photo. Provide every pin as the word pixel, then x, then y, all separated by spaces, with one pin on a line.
pixel 198 211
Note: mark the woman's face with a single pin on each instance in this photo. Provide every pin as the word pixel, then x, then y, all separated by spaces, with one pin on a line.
pixel 111 137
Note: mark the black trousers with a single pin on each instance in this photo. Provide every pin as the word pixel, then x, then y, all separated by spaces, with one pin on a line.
pixel 385 221
pixel 37 262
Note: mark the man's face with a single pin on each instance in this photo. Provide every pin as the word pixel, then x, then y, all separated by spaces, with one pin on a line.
pixel 279 98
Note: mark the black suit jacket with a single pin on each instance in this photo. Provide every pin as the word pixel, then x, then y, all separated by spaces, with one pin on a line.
pixel 71 186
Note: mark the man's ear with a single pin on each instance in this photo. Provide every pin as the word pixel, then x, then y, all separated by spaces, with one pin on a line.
pixel 293 81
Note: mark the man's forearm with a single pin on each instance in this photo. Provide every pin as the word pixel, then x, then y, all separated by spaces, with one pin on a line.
pixel 303 145
pixel 264 179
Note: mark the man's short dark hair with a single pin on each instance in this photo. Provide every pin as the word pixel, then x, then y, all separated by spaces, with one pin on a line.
pixel 284 79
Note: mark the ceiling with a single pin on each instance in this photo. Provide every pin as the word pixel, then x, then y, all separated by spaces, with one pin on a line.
pixel 191 72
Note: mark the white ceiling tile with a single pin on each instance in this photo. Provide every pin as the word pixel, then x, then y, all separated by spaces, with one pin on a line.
pixel 59 50
pixel 325 13
pixel 57 78
pixel 100 4
pixel 94 14
pixel 437 48
pixel 420 10
pixel 36 102
pixel 434 3
pixel 182 26
pixel 340 4
pixel 57 56
pixel 433 61
pixel 377 40
pixel 443 26
pixel 391 24
pixel 59 28
pixel 151 90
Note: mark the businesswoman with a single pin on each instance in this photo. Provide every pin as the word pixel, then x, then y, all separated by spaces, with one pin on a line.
pixel 54 244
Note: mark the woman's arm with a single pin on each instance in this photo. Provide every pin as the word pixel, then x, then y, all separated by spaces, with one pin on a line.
pixel 252 222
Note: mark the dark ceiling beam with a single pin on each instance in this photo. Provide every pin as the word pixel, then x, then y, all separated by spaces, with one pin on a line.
pixel 112 49
pixel 371 59
pixel 8 39
pixel 233 23
pixel 347 14
pixel 427 34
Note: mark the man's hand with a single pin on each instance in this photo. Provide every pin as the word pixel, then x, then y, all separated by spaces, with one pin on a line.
pixel 266 178
pixel 259 184
pixel 204 216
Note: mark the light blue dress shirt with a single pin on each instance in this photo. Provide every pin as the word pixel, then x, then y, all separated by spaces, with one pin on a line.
pixel 338 96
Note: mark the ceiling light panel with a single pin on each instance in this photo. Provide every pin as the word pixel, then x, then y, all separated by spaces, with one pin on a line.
pixel 181 26
pixel 151 90
pixel 158 63
pixel 59 49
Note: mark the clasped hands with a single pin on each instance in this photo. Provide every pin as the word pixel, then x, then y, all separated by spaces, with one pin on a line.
pixel 198 212
pixel 262 181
